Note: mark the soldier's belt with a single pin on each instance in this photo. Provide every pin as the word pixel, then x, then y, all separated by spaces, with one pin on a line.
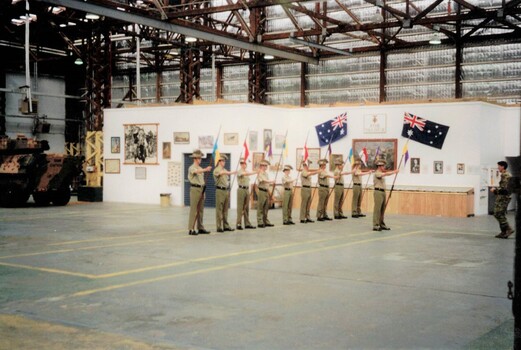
pixel 263 189
pixel 357 184
pixel 324 186
pixel 287 189
pixel 244 187
pixel 306 186
pixel 340 185
pixel 222 188
pixel 194 185
pixel 380 189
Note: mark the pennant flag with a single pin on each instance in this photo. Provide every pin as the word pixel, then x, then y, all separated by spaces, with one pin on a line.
pixel 332 130
pixel 351 157
pixel 269 151
pixel 363 156
pixel 305 156
pixel 285 150
pixel 215 152
pixel 245 151
pixel 405 151
pixel 424 131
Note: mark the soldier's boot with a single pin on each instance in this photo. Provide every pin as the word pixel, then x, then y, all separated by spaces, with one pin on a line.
pixel 502 233
pixel 508 232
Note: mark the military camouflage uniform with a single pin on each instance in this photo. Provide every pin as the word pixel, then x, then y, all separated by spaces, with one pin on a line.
pixel 502 201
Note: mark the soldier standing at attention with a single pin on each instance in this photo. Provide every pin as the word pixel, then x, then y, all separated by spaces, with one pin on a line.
pixel 197 187
pixel 222 194
pixel 502 200
pixel 323 190
pixel 305 192
pixel 243 196
pixel 356 211
pixel 263 200
pixel 379 195
pixel 338 175
pixel 287 182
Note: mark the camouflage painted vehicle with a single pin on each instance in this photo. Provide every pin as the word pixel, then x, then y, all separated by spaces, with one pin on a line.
pixel 26 170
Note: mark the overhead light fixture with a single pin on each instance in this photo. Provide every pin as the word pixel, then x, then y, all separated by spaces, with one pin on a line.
pixel 435 40
pixel 377 17
pixel 268 57
pixel 318 46
pixel 92 16
pixel 56 9
pixel 78 61
pixel 190 39
pixel 379 3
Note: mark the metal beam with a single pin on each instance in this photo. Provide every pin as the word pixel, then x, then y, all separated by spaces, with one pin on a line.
pixel 183 30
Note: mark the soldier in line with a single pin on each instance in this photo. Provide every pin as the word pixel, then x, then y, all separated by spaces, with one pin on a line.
pixel 338 175
pixel 379 195
pixel 287 182
pixel 356 211
pixel 263 200
pixel 502 200
pixel 305 193
pixel 197 187
pixel 243 196
pixel 222 194
pixel 323 190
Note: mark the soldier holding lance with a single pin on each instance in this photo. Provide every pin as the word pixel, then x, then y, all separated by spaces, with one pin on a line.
pixel 263 200
pixel 197 187
pixel 379 195
pixel 287 182
pixel 323 191
pixel 305 193
pixel 243 196
pixel 338 175
pixel 222 194
pixel 356 211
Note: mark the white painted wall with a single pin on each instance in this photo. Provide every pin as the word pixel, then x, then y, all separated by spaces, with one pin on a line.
pixel 480 134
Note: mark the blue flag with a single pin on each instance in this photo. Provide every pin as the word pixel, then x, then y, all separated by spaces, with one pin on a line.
pixel 424 131
pixel 332 130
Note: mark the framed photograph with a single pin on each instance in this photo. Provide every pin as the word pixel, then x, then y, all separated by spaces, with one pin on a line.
pixel 112 166
pixel 181 137
pixel 141 173
pixel 231 138
pixel 385 149
pixel 276 163
pixel 206 141
pixel 415 165
pixel 141 144
pixel 314 156
pixel 438 167
pixel 375 123
pixel 279 141
pixel 268 137
pixel 332 159
pixel 253 140
pixel 115 145
pixel 461 168
pixel 257 157
pixel 167 150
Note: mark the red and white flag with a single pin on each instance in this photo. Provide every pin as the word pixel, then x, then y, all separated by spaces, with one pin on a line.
pixel 306 153
pixel 363 156
pixel 246 151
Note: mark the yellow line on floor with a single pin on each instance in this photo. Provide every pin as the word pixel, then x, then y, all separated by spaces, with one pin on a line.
pixel 114 238
pixel 227 266
pixel 44 269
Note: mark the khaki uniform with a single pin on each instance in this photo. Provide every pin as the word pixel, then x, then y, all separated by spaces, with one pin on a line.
pixel 357 194
pixel 287 182
pixel 323 193
pixel 339 194
pixel 379 200
pixel 305 195
pixel 263 200
pixel 502 201
pixel 222 198
pixel 196 197
pixel 243 198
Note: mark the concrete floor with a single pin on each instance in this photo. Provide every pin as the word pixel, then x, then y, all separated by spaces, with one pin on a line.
pixel 126 276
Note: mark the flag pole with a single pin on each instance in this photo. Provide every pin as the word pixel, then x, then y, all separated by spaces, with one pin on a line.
pixel 239 160
pixel 276 173
pixel 315 188
pixel 368 177
pixel 394 180
pixel 299 169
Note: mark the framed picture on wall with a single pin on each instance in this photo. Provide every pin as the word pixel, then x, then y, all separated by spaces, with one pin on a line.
pixel 438 167
pixel 268 137
pixel 141 143
pixel 141 173
pixel 167 150
pixel 461 168
pixel 206 141
pixel 253 140
pixel 115 145
pixel 385 149
pixel 112 166
pixel 332 159
pixel 415 165
pixel 257 157
pixel 279 141
pixel 231 138
pixel 181 137
pixel 314 156
pixel 375 123
pixel 276 163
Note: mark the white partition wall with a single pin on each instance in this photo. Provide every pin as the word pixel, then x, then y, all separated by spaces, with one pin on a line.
pixel 480 134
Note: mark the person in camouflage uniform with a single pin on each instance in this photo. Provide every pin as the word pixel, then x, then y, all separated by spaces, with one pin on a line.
pixel 502 200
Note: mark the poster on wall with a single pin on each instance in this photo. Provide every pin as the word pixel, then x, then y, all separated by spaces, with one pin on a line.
pixel 206 141
pixel 114 145
pixel 174 174
pixel 167 150
pixel 382 148
pixel 253 140
pixel 268 137
pixel 140 143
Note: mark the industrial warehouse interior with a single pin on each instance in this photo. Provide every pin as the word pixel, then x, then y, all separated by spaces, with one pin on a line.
pixel 288 174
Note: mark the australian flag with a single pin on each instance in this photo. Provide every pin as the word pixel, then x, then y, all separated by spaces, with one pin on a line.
pixel 332 130
pixel 424 131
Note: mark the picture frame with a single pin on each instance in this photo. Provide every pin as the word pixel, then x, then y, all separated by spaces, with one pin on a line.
pixel 332 159
pixel 115 144
pixel 257 157
pixel 438 167
pixel 313 155
pixel 140 173
pixel 279 141
pixel 231 138
pixel 253 140
pixel 415 165
pixel 387 150
pixel 181 137
pixel 167 150
pixel 267 139
pixel 141 144
pixel 460 168
pixel 112 166
pixel 206 141
pixel 375 123
pixel 276 163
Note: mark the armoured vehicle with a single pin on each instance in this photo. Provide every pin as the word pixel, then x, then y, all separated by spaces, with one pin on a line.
pixel 26 170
